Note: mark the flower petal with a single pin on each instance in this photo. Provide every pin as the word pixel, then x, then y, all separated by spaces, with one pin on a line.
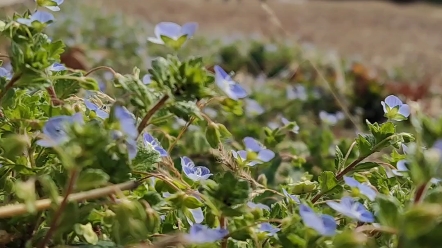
pixel 393 101
pixel 252 144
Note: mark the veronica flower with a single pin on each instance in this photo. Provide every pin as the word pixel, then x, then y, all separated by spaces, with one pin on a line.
pixel 55 129
pixel 198 216
pixel 225 82
pixel 296 92
pixel 253 107
pixel 202 234
pixel 262 154
pixel 196 173
pixel 92 107
pixel 395 109
pixel 253 205
pixel 293 197
pixel 54 8
pixel 38 16
pixel 353 209
pixel 128 130
pixel 363 188
pixel 154 144
pixel 56 67
pixel 331 119
pixel 146 79
pixel 5 73
pixel 173 31
pixel 268 228
pixel 324 224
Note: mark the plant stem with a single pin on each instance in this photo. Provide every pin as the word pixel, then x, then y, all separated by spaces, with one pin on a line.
pixel 223 225
pixel 19 209
pixel 152 111
pixel 9 85
pixel 64 202
pixel 54 99
pixel 420 192
pixel 100 68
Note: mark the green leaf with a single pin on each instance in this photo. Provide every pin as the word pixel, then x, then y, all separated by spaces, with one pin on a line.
pixel 213 135
pixel 421 219
pixel 339 158
pixel 364 145
pixel 87 232
pixel 327 181
pixel 388 210
pixel 192 202
pixel 366 166
pixel 26 192
pixel 92 178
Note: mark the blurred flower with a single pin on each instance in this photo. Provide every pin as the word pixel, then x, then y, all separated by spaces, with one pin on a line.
pixel 196 173
pixel 353 209
pixel 128 130
pixel 39 16
pixel 394 108
pixel 210 112
pixel 149 140
pixel 197 214
pixel 253 107
pixel 297 92
pixel 173 31
pixel 202 234
pixel 54 8
pixel 54 130
pixel 363 188
pixel 253 205
pixel 227 85
pixel 331 119
pixel 270 229
pixel 56 67
pixel 324 224
pixel 92 107
pixel 262 154
pixel 293 197
pixel 5 73
pixel 146 79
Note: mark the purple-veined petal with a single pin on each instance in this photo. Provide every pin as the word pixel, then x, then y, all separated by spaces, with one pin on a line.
pixel 329 225
pixel 238 91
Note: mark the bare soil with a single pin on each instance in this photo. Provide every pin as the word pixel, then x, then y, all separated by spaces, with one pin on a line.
pixel 380 33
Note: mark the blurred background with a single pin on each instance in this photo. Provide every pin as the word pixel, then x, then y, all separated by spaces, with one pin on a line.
pixel 365 49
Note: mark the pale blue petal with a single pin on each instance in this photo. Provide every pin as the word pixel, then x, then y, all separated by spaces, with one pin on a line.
pixel 350 181
pixel 252 144
pixel 266 155
pixel 404 110
pixel 189 29
pixel 393 101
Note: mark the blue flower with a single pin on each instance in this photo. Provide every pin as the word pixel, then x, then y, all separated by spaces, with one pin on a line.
pixel 227 85
pixel 38 16
pixel 196 173
pixel 199 234
pixel 149 140
pixel 253 205
pixel 261 154
pixel 268 228
pixel 286 122
pixel 297 92
pixel 173 31
pixel 198 216
pixel 128 130
pixel 253 107
pixel 127 122
pixel 394 109
pixel 353 209
pixel 363 188
pixel 146 79
pixel 92 107
pixel 54 8
pixel 293 197
pixel 55 132
pixel 331 119
pixel 324 224
pixel 5 73
pixel 56 67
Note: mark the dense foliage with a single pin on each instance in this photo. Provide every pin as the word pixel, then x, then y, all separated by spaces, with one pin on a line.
pixel 182 154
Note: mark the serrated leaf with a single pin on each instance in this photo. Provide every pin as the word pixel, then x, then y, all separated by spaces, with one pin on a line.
pixel 388 210
pixel 327 181
pixel 92 178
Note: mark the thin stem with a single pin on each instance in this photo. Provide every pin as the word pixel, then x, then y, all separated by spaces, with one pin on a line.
pixel 420 192
pixel 19 209
pixel 351 166
pixel 54 99
pixel 63 204
pixel 9 85
pixel 370 228
pixel 182 131
pixel 348 152
pixel 152 111
pixel 223 225
pixel 100 68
